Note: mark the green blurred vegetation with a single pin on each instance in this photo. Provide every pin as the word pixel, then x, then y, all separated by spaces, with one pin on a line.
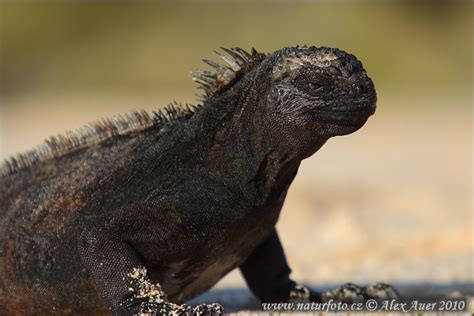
pixel 146 47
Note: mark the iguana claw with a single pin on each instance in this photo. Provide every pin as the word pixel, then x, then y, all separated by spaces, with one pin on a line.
pixel 348 293
pixel 381 291
pixel 213 309
pixel 351 293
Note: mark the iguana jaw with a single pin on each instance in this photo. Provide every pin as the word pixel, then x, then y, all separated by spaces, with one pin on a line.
pixel 354 115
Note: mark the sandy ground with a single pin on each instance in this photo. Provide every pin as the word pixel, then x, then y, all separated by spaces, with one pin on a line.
pixel 390 203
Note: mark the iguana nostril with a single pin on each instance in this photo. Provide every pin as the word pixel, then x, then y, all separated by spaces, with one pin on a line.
pixel 364 86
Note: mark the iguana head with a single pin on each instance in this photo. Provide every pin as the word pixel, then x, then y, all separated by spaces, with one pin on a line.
pixel 300 95
pixel 317 93
pixel 322 89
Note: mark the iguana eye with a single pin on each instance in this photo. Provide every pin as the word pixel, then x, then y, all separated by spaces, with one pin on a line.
pixel 316 85
pixel 313 86
pixel 312 81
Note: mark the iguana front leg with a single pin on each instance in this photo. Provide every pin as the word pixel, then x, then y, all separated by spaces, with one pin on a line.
pixel 267 274
pixel 119 270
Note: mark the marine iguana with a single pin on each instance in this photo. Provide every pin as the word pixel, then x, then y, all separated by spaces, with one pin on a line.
pixel 141 212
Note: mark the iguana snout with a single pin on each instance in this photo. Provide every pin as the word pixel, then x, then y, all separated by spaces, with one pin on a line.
pixel 316 93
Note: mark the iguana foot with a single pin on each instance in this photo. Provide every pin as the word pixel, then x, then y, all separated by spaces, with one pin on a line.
pixel 303 294
pixel 381 291
pixel 350 293
pixel 213 309
pixel 208 309
pixel 153 301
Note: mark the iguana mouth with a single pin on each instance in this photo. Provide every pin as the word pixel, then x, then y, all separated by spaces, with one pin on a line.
pixel 346 117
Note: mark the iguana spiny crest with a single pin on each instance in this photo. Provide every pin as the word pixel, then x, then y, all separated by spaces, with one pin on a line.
pixel 320 86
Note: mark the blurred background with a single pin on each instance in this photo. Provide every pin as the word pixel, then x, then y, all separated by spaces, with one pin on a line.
pixel 389 203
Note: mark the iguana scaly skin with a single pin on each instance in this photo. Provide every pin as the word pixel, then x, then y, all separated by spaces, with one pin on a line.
pixel 139 213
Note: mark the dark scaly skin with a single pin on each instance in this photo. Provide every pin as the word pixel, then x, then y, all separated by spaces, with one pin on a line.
pixel 190 201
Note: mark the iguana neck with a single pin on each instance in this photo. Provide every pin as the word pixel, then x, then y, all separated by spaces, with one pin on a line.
pixel 242 148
